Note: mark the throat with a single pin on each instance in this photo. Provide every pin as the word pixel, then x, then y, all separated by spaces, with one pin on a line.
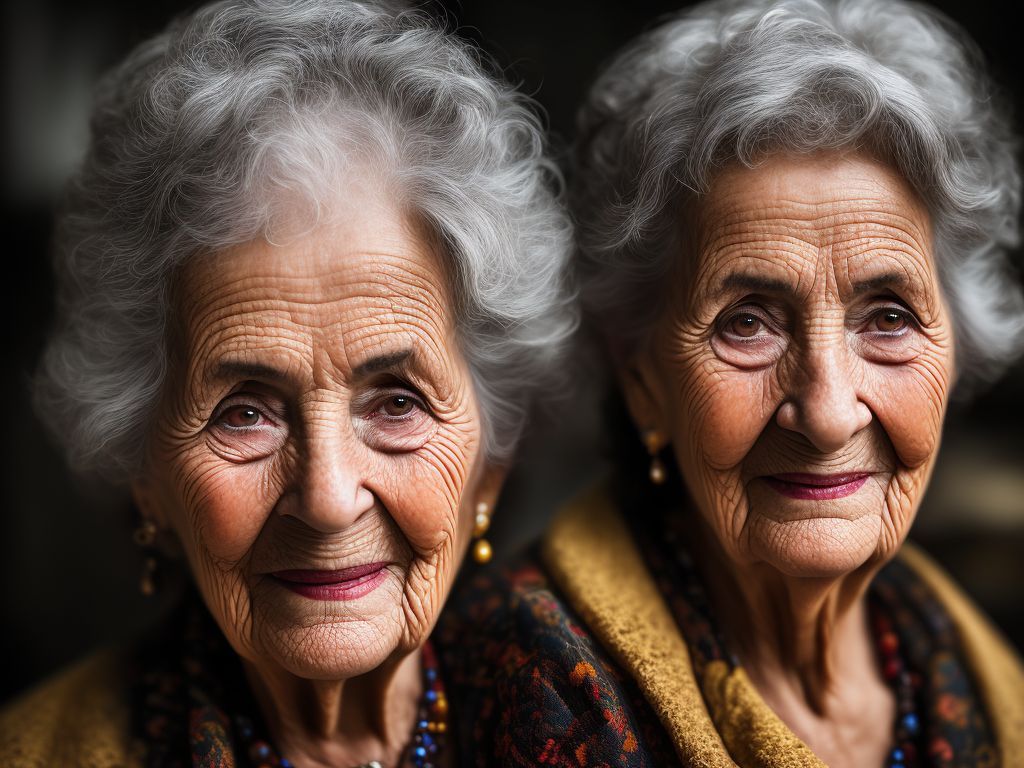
pixel 808 649
pixel 351 722
pixel 809 635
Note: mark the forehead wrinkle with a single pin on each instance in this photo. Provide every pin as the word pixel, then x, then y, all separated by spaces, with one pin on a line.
pixel 240 347
pixel 428 365
pixel 752 265
pixel 843 239
pixel 896 251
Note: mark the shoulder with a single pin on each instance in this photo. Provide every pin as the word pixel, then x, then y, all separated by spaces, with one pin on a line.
pixel 996 667
pixel 78 717
pixel 530 685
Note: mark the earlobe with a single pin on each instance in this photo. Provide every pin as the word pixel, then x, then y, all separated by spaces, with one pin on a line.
pixel 486 496
pixel 491 482
pixel 145 502
pixel 639 384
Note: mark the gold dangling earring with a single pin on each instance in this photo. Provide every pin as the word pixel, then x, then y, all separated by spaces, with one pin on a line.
pixel 652 440
pixel 144 536
pixel 147 584
pixel 482 547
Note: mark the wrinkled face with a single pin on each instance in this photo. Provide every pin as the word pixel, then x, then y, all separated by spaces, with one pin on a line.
pixel 801 369
pixel 319 451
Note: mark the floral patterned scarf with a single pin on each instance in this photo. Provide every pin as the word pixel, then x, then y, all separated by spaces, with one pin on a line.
pixel 188 680
pixel 954 732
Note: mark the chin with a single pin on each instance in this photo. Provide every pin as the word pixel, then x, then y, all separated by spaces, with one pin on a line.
pixel 819 547
pixel 333 650
pixel 328 640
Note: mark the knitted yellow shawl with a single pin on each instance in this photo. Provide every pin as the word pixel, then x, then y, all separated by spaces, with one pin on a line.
pixel 80 718
pixel 590 554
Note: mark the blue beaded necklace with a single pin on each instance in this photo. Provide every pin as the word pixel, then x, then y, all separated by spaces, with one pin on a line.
pixel 424 748
pixel 904 685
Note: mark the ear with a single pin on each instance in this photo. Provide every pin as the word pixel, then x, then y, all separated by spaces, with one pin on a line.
pixel 144 496
pixel 489 487
pixel 642 390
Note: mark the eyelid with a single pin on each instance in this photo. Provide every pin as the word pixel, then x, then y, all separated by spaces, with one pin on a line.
pixel 243 398
pixel 890 304
pixel 748 306
pixel 387 396
pixel 371 402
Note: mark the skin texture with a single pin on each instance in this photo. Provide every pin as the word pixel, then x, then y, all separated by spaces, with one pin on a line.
pixel 321 416
pixel 805 333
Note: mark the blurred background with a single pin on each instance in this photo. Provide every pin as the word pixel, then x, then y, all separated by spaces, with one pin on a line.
pixel 67 563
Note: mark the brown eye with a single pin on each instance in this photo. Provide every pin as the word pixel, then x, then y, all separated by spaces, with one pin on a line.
pixel 241 416
pixel 398 405
pixel 746 325
pixel 890 321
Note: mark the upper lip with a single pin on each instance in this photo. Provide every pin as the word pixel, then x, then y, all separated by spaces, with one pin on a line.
pixel 319 576
pixel 820 480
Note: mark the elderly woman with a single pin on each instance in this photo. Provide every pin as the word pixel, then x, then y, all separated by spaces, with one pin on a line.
pixel 793 228
pixel 310 278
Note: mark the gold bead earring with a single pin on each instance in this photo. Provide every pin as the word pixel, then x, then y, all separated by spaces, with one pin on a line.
pixel 482 547
pixel 652 441
pixel 144 536
pixel 147 582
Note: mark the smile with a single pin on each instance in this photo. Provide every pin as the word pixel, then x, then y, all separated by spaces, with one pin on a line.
pixel 800 485
pixel 345 584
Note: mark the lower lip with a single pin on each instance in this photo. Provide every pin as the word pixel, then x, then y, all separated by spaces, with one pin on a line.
pixel 818 489
pixel 334 585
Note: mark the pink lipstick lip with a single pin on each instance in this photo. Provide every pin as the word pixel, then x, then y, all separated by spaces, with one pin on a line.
pixel 809 478
pixel 343 584
pixel 801 485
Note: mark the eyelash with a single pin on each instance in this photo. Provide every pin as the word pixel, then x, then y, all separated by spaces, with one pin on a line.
pixel 381 401
pixel 909 318
pixel 752 310
pixel 219 417
pixel 745 310
pixel 381 430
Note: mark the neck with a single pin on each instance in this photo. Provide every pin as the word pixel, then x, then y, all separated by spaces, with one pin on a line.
pixel 340 722
pixel 799 638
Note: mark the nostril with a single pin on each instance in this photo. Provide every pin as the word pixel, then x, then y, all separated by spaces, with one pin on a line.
pixel 827 423
pixel 787 417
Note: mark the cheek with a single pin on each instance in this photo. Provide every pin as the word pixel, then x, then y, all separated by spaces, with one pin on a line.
pixel 909 401
pixel 719 414
pixel 222 508
pixel 427 490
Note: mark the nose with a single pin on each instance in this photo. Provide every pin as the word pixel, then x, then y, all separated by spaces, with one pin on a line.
pixel 332 495
pixel 824 404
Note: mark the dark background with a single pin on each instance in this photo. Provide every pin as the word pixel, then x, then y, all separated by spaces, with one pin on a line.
pixel 67 564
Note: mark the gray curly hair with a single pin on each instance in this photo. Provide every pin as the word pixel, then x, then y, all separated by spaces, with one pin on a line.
pixel 201 136
pixel 731 81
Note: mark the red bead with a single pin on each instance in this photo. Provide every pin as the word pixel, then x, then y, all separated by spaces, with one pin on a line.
pixel 889 643
pixel 892 668
pixel 940 749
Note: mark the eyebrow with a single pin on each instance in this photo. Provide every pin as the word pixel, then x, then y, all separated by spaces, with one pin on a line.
pixel 763 284
pixel 749 282
pixel 234 369
pixel 380 363
pixel 885 280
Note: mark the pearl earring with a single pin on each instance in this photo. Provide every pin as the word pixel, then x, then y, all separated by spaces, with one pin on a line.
pixel 481 547
pixel 144 536
pixel 652 441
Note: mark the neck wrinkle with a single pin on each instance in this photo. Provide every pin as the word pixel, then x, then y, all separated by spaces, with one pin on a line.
pixel 809 633
pixel 331 722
